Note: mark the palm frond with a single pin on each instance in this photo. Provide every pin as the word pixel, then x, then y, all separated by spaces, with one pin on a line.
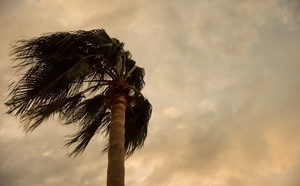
pixel 92 115
pixel 83 137
pixel 70 74
pixel 58 65
pixel 39 113
pixel 136 124
pixel 136 78
pixel 85 111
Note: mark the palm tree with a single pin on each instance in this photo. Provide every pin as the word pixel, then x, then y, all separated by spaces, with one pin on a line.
pixel 86 78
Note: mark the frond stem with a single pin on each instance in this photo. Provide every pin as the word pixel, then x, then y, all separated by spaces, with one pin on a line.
pixel 136 90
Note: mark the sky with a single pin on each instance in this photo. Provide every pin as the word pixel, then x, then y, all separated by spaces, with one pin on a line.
pixel 222 76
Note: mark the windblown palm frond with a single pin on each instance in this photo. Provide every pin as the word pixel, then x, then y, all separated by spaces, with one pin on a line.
pixel 70 74
pixel 136 123
pixel 92 115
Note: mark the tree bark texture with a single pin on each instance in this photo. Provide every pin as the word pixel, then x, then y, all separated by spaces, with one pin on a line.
pixel 116 152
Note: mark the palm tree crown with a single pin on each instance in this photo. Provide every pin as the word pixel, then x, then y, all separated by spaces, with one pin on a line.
pixel 76 75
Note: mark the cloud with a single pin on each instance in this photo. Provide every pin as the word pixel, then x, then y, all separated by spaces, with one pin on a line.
pixel 290 13
pixel 38 158
pixel 222 77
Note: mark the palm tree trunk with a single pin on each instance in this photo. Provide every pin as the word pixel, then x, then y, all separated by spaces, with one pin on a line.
pixel 116 152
